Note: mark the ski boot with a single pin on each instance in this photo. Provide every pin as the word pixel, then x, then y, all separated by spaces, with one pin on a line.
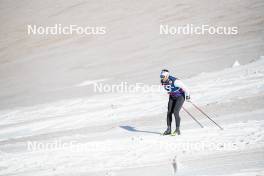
pixel 177 131
pixel 168 131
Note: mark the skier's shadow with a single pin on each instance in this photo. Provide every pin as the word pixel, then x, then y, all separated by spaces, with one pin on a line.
pixel 133 129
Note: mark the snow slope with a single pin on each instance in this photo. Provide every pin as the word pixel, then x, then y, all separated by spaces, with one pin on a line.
pixel 127 141
pixel 47 96
pixel 39 69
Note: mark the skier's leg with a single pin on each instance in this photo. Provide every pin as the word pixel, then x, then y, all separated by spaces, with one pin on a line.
pixel 170 111
pixel 169 116
pixel 178 105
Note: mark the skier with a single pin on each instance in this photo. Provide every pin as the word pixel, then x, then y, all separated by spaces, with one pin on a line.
pixel 178 93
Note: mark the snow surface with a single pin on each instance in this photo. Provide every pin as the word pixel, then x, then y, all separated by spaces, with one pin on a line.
pixel 47 97
pixel 124 143
pixel 236 64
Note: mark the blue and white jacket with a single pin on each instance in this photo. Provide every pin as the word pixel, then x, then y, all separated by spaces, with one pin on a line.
pixel 175 87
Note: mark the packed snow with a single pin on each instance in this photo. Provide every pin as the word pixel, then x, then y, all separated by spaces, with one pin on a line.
pixel 125 140
pixel 53 122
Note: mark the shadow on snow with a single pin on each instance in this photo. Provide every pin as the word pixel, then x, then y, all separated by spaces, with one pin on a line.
pixel 133 129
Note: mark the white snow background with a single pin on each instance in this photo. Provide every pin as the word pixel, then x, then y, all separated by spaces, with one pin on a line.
pixel 46 89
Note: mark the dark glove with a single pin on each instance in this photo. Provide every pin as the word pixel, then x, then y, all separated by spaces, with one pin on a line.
pixel 188 98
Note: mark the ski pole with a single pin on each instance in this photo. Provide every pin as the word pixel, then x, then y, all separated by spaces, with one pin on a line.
pixel 199 109
pixel 192 117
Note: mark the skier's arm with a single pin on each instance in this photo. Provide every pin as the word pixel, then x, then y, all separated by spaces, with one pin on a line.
pixel 180 84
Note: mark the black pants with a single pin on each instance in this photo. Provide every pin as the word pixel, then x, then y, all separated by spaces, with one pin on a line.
pixel 174 107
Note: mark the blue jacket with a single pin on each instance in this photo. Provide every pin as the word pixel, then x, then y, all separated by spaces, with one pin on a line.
pixel 175 87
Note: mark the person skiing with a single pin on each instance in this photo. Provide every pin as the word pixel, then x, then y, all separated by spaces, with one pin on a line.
pixel 178 93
